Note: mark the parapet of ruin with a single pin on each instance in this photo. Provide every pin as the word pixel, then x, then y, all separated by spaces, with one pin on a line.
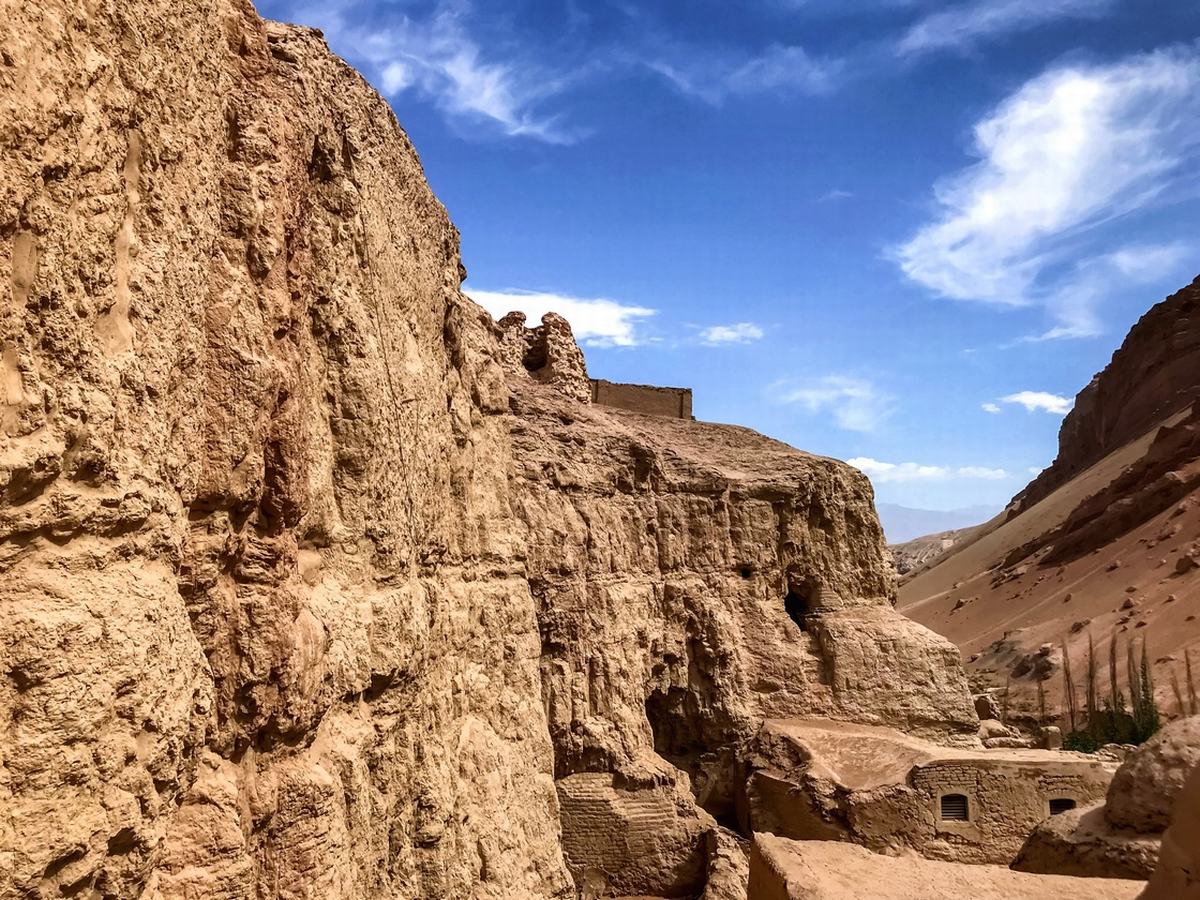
pixel 675 402
pixel 548 353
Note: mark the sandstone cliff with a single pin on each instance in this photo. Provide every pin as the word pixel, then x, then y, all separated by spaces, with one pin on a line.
pixel 316 582
pixel 263 628
pixel 1152 375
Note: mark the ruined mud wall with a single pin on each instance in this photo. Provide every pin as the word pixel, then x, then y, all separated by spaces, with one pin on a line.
pixel 261 630
pixel 643 398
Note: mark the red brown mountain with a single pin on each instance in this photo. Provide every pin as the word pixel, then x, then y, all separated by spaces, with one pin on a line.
pixel 1104 544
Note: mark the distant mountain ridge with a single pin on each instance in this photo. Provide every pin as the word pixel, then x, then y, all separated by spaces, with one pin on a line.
pixel 905 523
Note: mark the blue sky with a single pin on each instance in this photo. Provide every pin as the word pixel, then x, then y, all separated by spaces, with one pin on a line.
pixel 898 232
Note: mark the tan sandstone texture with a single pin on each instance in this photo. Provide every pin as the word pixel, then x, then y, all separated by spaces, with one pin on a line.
pixel 813 780
pixel 781 869
pixel 1144 789
pixel 1120 838
pixel 1178 874
pixel 317 583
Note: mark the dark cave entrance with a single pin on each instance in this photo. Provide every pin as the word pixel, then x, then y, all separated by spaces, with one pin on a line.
pixel 535 357
pixel 798 605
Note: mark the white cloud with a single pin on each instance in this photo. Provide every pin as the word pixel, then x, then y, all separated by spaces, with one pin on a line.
pixel 835 194
pixel 1068 151
pixel 439 60
pixel 1035 470
pixel 961 26
pixel 990 408
pixel 1040 400
pixel 856 404
pixel 886 472
pixel 737 333
pixel 713 78
pixel 596 322
pixel 1075 302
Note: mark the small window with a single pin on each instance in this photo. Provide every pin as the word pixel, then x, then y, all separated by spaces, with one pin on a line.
pixel 955 808
pixel 1060 805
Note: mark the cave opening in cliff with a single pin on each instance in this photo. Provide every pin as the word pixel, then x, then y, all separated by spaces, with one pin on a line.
pixel 535 357
pixel 798 606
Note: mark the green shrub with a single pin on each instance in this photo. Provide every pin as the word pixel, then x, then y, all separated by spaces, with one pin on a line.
pixel 1080 741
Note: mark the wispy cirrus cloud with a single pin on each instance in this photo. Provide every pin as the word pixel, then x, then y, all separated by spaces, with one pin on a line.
pixel 436 57
pixel 856 404
pixel 596 322
pixel 966 24
pixel 888 472
pixel 1069 151
pixel 737 333
pixel 1074 303
pixel 714 76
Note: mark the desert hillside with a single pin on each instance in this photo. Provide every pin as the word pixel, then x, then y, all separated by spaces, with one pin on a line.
pixel 1105 542
pixel 924 551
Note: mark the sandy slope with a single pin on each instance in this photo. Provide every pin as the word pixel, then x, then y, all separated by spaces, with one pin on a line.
pixel 1052 573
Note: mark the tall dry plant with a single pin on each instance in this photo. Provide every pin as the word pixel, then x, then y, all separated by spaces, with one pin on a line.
pixel 1116 704
pixel 1177 690
pixel 1093 720
pixel 1146 717
pixel 1193 703
pixel 1069 688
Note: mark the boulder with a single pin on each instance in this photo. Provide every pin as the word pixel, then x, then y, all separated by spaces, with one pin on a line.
pixel 993 728
pixel 1177 876
pixel 1082 842
pixel 1144 789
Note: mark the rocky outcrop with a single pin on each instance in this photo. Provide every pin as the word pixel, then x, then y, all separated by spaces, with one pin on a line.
pixel 1178 874
pixel 819 870
pixel 1144 790
pixel 1151 376
pixel 1083 842
pixel 920 552
pixel 1120 838
pixel 315 581
pixel 693 580
pixel 1101 547
pixel 264 627
pixel 547 353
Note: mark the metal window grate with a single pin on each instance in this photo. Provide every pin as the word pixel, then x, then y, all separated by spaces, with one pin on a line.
pixel 1061 805
pixel 955 808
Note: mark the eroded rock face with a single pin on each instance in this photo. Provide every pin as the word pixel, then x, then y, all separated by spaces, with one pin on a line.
pixel 547 353
pixel 1143 791
pixel 1150 377
pixel 693 580
pixel 298 597
pixel 1178 874
pixel 263 628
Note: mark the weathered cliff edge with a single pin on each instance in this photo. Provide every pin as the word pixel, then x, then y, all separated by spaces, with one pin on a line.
pixel 1151 376
pixel 307 587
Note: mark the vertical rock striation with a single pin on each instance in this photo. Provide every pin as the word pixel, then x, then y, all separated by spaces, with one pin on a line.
pixel 261 625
